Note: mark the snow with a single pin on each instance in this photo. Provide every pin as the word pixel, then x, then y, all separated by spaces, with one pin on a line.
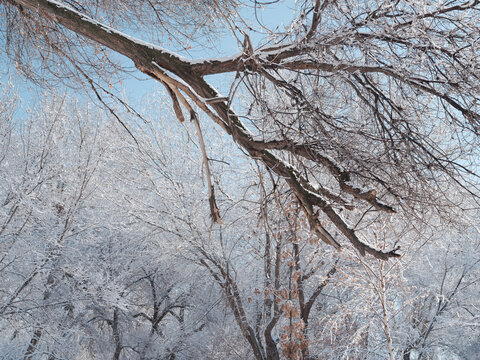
pixel 215 60
pixel 119 33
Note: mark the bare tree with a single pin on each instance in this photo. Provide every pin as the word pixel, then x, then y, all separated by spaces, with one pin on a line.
pixel 369 106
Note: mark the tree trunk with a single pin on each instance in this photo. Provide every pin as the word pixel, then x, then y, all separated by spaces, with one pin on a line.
pixel 116 336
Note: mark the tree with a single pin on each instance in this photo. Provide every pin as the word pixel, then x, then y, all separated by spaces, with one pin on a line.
pixel 359 107
pixel 141 271
pixel 442 314
pixel 82 273
pixel 46 176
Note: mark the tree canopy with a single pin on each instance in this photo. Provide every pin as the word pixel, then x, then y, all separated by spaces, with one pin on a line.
pixel 360 120
pixel 380 98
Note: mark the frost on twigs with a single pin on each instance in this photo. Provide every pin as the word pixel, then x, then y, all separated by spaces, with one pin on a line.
pixel 376 104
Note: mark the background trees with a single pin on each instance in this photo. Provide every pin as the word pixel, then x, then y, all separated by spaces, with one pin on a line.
pixel 81 275
pixel 141 273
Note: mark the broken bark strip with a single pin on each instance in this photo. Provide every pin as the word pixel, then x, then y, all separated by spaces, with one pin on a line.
pixel 214 212
pixel 175 104
pixel 175 94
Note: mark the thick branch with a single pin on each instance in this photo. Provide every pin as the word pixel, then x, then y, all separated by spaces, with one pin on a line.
pixel 134 49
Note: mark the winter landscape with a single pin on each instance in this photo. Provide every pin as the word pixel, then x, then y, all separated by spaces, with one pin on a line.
pixel 240 179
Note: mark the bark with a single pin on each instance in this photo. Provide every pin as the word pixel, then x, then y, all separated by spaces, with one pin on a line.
pixel 32 347
pixel 306 307
pixel 271 346
pixel 386 319
pixel 116 336
pixel 234 301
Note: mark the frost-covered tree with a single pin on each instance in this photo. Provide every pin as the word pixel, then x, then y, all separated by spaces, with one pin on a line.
pixel 141 273
pixel 82 273
pixel 358 106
